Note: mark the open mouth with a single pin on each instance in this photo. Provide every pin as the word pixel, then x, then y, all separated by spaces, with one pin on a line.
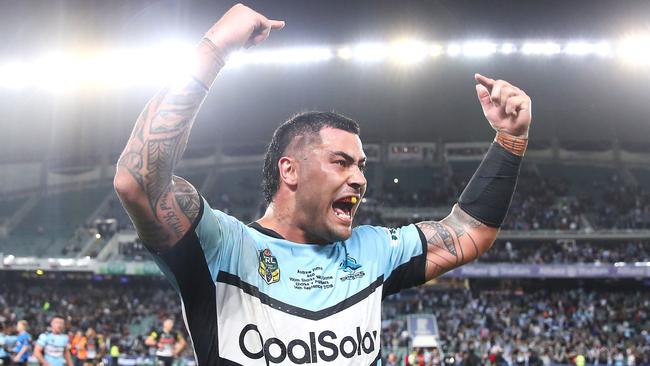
pixel 343 207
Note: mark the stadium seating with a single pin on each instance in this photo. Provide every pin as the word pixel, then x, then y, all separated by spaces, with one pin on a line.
pixel 52 223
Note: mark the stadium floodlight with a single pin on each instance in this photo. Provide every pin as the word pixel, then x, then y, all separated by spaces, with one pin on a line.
pixel 292 55
pixel 453 49
pixel 541 48
pixel 113 68
pixel 58 72
pixel 344 53
pixel 370 52
pixel 635 49
pixel 8 260
pixel 408 52
pixel 15 75
pixel 167 62
pixel 479 48
pixel 175 60
pixel 435 50
pixel 586 48
pixel 507 48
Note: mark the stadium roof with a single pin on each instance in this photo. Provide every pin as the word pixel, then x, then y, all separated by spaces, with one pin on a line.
pixel 574 98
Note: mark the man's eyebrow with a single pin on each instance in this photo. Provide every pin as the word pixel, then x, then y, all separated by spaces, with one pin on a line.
pixel 347 157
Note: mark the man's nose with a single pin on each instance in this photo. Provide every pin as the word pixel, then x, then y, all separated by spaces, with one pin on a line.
pixel 357 179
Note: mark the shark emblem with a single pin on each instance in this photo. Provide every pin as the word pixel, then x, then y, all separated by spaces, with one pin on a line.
pixel 349 264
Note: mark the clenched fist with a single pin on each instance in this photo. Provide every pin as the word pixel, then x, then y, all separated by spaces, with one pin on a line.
pixel 506 107
pixel 241 26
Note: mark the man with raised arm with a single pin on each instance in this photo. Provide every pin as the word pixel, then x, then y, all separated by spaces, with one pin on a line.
pixel 299 285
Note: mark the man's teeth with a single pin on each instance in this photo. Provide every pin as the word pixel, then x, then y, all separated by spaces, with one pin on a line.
pixel 342 214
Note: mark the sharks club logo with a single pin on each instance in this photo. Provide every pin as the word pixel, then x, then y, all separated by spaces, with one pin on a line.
pixel 268 268
pixel 351 268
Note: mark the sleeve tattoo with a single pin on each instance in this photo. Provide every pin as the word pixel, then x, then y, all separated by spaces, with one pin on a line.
pixel 450 242
pixel 154 149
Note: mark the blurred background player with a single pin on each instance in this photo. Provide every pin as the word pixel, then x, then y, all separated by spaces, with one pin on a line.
pixel 53 347
pixel 90 348
pixel 23 344
pixel 4 355
pixel 168 342
pixel 74 349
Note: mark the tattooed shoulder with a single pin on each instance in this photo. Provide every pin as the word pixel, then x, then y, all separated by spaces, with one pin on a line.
pixel 187 197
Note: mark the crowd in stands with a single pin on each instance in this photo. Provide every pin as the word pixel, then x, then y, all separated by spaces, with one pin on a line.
pixel 517 327
pixel 519 251
pixel 542 204
pixel 567 251
pixel 121 313
pixel 620 206
pixel 539 203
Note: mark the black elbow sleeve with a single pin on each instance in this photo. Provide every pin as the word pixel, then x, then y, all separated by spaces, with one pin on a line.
pixel 488 194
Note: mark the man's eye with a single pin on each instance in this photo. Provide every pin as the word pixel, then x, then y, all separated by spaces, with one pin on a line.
pixel 362 168
pixel 340 162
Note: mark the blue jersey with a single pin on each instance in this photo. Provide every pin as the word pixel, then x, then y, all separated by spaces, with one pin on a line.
pixel 23 339
pixel 54 347
pixel 250 297
pixel 3 344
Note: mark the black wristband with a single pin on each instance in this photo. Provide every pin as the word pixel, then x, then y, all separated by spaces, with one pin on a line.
pixel 488 194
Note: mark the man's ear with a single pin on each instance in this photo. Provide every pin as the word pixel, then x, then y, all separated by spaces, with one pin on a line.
pixel 288 170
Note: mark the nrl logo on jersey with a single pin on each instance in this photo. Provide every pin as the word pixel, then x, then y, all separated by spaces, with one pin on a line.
pixel 269 268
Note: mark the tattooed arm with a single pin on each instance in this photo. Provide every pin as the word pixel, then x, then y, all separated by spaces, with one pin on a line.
pixel 455 240
pixel 459 238
pixel 161 205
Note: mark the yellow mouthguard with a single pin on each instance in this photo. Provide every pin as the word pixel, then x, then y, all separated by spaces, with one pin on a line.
pixel 354 200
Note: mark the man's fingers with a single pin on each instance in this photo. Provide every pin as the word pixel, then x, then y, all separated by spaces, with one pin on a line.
pixel 271 23
pixel 483 96
pixel 258 37
pixel 277 24
pixel 500 91
pixel 262 32
pixel 506 92
pixel 485 81
pixel 516 104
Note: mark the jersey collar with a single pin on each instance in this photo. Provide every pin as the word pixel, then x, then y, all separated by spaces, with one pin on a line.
pixel 265 231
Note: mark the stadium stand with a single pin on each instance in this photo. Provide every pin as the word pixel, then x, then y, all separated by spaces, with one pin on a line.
pixel 53 222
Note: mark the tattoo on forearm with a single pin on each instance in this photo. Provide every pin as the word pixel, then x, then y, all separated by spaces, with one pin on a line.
pixel 152 153
pixel 177 111
pixel 160 165
pixel 445 249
